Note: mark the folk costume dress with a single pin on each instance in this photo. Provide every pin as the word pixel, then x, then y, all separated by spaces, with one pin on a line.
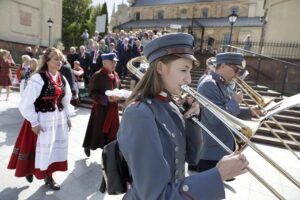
pixel 45 103
pixel 4 73
pixel 104 120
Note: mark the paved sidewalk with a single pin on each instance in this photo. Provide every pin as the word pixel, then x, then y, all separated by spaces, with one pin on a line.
pixel 82 180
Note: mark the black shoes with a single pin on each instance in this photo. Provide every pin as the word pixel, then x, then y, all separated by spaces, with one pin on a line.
pixel 49 181
pixel 29 178
pixel 102 188
pixel 87 152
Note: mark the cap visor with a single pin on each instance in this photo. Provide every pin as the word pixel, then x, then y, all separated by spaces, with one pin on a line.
pixel 190 57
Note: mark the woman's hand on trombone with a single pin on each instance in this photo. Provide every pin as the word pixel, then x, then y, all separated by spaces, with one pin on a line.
pixel 232 165
pixel 194 109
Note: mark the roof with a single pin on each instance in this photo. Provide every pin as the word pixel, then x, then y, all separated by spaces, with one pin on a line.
pixel 207 22
pixel 223 22
pixel 139 3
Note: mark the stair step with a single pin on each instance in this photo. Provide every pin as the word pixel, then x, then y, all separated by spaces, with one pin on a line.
pixel 265 131
pixel 285 118
pixel 269 93
pixel 287 126
pixel 273 141
pixel 260 88
pixel 291 112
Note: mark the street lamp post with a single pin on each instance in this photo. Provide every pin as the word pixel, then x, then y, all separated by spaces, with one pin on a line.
pixel 232 19
pixel 50 23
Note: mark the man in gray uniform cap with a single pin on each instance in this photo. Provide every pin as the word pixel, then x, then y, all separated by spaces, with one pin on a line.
pixel 215 87
pixel 156 139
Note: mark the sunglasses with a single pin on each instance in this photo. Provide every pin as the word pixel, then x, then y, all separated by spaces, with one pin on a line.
pixel 235 68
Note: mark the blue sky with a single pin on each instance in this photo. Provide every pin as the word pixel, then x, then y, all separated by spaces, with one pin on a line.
pixel 110 4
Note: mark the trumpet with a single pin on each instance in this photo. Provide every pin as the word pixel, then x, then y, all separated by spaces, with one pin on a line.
pixel 239 127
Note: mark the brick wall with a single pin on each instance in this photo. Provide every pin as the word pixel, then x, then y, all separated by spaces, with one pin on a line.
pixel 16 49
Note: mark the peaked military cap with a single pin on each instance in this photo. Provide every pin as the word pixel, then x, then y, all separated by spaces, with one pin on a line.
pixel 179 44
pixel 109 56
pixel 230 57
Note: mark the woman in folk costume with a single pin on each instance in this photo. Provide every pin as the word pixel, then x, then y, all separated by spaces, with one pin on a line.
pixel 104 120
pixel 5 72
pixel 42 145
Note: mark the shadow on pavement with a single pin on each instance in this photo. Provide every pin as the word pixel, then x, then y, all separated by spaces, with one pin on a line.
pixel 12 193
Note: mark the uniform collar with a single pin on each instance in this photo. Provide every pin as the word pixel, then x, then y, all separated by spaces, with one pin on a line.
pixel 163 96
pixel 217 77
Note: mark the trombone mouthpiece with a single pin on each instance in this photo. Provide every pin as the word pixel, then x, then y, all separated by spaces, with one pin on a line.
pixel 184 87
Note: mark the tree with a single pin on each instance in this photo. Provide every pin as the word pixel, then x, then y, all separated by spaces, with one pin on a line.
pixel 104 12
pixel 76 18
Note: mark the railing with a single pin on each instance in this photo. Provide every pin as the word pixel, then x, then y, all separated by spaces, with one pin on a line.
pixel 285 50
pixel 285 64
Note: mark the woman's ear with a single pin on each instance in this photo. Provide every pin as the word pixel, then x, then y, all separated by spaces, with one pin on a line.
pixel 159 68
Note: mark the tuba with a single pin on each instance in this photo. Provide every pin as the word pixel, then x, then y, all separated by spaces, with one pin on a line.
pixel 241 128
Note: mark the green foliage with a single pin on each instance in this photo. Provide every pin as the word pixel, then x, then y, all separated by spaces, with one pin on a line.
pixel 104 12
pixel 78 15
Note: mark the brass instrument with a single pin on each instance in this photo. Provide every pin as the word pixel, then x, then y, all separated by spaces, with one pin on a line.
pixel 260 101
pixel 239 127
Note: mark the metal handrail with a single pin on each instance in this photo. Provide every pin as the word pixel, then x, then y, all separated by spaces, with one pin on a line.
pixel 263 56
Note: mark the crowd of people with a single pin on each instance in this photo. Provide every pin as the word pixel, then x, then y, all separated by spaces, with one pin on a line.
pixel 154 136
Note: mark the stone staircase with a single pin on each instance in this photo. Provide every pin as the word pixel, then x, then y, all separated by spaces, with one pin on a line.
pixel 289 119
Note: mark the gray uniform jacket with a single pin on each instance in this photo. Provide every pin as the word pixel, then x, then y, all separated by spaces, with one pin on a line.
pixel 213 87
pixel 156 142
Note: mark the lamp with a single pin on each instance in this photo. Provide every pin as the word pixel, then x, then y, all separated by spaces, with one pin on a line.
pixel 50 24
pixel 232 19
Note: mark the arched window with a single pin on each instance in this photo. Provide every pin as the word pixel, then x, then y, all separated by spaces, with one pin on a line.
pixel 236 9
pixel 205 12
pixel 137 16
pixel 160 14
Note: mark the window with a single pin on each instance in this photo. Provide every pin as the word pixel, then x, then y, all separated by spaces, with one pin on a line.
pixel 205 12
pixel 226 39
pixel 137 16
pixel 160 14
pixel 235 9
pixel 183 11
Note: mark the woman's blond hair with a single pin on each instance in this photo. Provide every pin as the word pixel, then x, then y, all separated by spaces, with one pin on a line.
pixel 49 53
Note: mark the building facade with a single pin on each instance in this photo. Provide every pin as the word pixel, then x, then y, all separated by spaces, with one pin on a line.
pixel 122 15
pixel 280 28
pixel 204 18
pixel 24 23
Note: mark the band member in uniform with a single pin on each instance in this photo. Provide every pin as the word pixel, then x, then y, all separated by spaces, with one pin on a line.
pixel 104 120
pixel 215 87
pixel 156 139
pixel 42 145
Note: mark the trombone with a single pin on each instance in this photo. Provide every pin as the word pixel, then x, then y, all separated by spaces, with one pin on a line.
pixel 261 102
pixel 240 127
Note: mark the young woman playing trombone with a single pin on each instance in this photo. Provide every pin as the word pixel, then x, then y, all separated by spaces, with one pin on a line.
pixel 156 139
